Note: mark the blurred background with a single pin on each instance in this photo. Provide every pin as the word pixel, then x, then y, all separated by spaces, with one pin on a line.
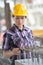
pixel 34 19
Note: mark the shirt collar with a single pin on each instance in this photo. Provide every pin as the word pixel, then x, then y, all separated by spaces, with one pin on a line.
pixel 18 28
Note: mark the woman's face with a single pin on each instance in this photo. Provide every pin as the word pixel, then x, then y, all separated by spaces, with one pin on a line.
pixel 19 20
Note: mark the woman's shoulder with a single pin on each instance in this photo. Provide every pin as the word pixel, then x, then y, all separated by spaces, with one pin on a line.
pixel 9 31
pixel 27 28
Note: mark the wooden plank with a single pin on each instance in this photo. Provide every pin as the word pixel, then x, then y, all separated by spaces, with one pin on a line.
pixel 37 32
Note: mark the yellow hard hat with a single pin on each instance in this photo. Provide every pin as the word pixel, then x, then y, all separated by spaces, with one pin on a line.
pixel 19 10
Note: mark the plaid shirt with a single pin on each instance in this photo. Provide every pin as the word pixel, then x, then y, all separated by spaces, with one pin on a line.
pixel 14 38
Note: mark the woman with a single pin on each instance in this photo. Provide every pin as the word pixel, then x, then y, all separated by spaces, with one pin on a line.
pixel 18 36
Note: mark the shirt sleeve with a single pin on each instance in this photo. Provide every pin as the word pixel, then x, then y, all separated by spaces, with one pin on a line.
pixel 6 41
pixel 32 41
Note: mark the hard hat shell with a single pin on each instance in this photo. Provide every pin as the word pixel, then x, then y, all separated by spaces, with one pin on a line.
pixel 19 10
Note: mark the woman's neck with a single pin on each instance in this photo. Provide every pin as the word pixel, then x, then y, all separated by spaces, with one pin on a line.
pixel 20 26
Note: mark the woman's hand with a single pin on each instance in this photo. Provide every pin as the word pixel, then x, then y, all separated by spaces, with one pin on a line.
pixel 16 51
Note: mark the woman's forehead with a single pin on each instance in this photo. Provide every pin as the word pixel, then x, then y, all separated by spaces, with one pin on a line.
pixel 20 16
